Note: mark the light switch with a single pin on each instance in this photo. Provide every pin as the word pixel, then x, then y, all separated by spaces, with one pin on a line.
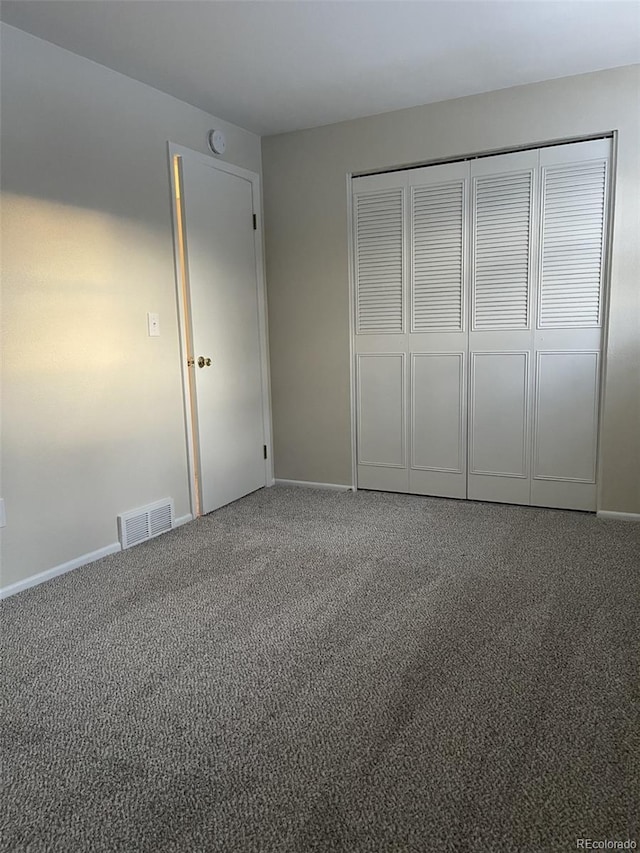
pixel 153 323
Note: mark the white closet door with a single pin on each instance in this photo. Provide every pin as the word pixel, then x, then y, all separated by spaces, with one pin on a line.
pixel 568 329
pixel 500 335
pixel 478 326
pixel 438 214
pixel 379 239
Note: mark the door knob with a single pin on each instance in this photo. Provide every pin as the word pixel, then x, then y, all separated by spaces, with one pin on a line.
pixel 204 362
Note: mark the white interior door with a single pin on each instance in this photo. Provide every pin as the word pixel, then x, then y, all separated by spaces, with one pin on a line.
pixel 222 288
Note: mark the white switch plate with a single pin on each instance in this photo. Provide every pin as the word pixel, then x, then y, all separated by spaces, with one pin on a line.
pixel 153 324
pixel 3 517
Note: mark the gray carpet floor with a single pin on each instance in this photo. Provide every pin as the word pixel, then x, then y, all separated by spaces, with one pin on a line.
pixel 320 671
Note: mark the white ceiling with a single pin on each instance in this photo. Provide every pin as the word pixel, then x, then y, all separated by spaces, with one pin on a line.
pixel 272 66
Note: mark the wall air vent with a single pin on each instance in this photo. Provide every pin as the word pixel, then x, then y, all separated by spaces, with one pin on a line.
pixel 144 523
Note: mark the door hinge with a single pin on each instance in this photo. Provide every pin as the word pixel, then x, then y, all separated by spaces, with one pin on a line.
pixel 264 448
pixel 255 223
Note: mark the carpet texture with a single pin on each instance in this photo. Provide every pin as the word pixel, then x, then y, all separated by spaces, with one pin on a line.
pixel 319 671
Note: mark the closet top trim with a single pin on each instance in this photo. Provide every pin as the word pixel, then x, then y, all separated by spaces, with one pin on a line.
pixel 492 153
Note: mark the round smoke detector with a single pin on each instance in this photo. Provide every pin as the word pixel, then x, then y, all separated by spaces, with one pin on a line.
pixel 217 142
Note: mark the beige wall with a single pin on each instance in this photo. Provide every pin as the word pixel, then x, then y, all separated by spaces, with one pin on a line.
pixel 92 407
pixel 306 239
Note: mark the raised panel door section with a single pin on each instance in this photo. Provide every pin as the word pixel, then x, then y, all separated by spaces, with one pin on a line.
pixel 565 430
pixel 498 469
pixel 381 418
pixel 438 424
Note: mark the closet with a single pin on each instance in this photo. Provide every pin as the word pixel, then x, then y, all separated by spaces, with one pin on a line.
pixel 478 320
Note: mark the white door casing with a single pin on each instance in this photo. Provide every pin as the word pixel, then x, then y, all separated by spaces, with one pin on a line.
pixel 222 314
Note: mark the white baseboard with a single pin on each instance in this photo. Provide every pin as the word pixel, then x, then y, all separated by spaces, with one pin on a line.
pixel 62 569
pixel 619 516
pixel 41 577
pixel 308 485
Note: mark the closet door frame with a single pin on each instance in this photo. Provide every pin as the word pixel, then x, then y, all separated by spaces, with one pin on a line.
pixel 606 301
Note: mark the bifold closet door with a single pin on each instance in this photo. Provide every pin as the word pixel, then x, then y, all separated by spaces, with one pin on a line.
pixel 410 336
pixel 437 346
pixel 500 337
pixel 569 309
pixel 381 352
pixel 538 233
pixel 478 326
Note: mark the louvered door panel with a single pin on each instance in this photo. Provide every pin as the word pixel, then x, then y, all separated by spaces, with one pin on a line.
pixel 574 188
pixel 438 271
pixel 379 231
pixel 501 330
pixel 437 257
pixel 502 247
pixel 572 250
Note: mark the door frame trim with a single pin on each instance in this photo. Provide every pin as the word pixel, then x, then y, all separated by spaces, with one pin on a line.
pixel 175 153
pixel 606 307
pixel 352 335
